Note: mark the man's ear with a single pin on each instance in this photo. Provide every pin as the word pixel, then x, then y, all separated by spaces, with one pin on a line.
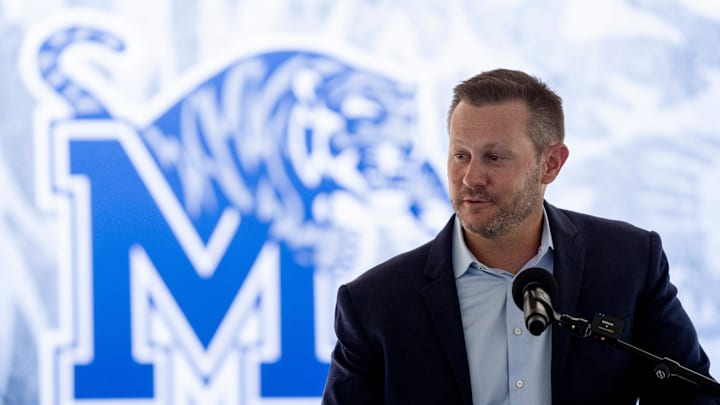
pixel 553 160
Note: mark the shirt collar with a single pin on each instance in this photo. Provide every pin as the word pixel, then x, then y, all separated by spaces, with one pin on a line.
pixel 463 258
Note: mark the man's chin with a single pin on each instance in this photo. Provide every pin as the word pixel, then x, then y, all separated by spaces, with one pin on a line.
pixel 474 225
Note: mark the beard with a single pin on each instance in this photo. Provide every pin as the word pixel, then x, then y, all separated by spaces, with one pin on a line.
pixel 522 203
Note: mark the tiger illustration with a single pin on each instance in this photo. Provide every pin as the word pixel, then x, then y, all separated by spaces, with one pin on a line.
pixel 311 152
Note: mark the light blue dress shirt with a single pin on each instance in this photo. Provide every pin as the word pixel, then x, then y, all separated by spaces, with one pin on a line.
pixel 508 365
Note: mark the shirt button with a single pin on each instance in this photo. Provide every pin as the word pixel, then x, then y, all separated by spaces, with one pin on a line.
pixel 517 331
pixel 519 383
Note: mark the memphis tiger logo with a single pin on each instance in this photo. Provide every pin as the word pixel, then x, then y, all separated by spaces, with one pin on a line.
pixel 205 231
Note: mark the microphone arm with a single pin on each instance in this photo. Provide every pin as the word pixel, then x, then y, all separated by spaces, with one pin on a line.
pixel 533 291
pixel 607 330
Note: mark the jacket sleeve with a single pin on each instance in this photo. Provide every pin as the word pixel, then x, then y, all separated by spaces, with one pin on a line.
pixel 356 373
pixel 663 328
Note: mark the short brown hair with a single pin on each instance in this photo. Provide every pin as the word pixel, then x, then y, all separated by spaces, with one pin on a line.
pixel 545 125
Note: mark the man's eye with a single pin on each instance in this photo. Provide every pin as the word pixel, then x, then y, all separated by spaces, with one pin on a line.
pixel 494 157
pixel 460 155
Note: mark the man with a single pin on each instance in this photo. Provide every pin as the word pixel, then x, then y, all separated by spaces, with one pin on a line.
pixel 437 325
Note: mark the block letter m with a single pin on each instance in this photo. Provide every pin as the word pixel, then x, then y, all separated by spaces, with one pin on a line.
pixel 151 311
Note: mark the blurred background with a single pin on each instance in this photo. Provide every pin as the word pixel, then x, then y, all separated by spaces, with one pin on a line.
pixel 185 184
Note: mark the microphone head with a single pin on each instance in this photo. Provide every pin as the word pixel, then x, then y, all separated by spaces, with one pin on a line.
pixel 533 277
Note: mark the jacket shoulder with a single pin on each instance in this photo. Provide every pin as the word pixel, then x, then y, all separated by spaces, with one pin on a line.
pixel 595 226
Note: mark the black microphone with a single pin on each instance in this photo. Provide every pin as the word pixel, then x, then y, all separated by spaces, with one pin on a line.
pixel 533 291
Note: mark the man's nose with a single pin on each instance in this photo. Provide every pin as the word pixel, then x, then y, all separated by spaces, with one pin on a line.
pixel 476 174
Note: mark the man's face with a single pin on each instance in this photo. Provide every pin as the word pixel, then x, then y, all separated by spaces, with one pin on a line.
pixel 494 173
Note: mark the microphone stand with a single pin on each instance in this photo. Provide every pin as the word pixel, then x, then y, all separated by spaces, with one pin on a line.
pixel 607 330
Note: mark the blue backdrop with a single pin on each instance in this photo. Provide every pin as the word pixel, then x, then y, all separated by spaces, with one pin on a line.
pixel 185 184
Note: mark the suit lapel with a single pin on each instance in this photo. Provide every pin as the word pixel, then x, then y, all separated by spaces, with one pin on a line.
pixel 441 298
pixel 568 272
pixel 440 295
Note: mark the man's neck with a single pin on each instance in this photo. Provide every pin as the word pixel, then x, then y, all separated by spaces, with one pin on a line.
pixel 511 251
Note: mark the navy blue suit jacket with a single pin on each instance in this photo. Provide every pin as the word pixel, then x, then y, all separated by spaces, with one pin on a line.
pixel 400 336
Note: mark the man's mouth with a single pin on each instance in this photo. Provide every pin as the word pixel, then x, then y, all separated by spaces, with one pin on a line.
pixel 477 198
